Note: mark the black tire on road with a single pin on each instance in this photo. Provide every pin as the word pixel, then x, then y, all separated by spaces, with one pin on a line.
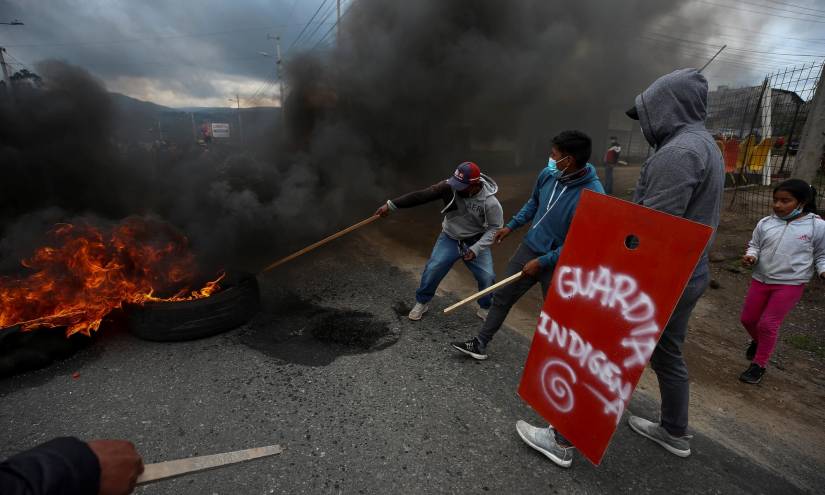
pixel 28 351
pixel 232 306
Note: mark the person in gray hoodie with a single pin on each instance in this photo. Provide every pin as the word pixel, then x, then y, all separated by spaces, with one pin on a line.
pixel 684 177
pixel 472 215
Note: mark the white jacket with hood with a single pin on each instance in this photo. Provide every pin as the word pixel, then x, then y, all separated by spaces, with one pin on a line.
pixel 788 252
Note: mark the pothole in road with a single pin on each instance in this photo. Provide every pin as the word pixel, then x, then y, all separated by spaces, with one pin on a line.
pixel 299 331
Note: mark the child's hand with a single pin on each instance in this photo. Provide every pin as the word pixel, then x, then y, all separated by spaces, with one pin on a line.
pixel 748 260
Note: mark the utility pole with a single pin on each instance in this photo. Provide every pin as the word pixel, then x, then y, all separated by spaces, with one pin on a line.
pixel 6 77
pixel 240 125
pixel 279 69
pixel 812 144
pixel 280 73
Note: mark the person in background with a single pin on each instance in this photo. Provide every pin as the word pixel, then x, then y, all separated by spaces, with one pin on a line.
pixel 611 159
pixel 684 177
pixel 472 215
pixel 786 250
pixel 68 466
pixel 549 211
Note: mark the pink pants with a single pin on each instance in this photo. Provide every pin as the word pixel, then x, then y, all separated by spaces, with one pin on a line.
pixel 766 305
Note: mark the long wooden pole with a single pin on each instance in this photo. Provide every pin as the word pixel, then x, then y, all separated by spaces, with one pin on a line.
pixel 321 242
pixel 478 295
pixel 179 467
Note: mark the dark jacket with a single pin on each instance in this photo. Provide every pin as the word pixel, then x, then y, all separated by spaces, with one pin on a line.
pixel 63 466
pixel 477 217
pixel 686 174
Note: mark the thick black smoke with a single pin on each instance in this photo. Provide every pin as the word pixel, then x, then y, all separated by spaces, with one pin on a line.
pixel 411 89
pixel 428 83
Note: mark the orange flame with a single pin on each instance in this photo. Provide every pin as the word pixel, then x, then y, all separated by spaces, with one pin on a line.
pixel 86 272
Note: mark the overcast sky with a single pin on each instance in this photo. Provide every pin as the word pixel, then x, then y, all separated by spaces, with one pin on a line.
pixel 200 53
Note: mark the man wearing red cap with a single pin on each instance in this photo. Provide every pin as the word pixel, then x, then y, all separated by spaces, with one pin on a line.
pixel 472 215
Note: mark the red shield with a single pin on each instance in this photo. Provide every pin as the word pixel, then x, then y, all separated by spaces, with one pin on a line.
pixel 620 275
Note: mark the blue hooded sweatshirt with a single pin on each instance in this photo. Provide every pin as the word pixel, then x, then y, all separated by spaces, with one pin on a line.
pixel 551 208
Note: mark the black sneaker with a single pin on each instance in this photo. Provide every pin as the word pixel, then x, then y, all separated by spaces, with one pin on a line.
pixel 750 352
pixel 753 374
pixel 471 348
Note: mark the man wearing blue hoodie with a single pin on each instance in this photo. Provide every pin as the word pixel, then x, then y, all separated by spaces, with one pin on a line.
pixel 684 177
pixel 550 209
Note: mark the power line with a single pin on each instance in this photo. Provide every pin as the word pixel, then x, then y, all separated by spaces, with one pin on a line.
pixel 782 10
pixel 739 57
pixel 268 82
pixel 329 12
pixel 740 61
pixel 19 62
pixel 794 5
pixel 740 9
pixel 324 2
pixel 324 37
pixel 262 96
pixel 738 49
pixel 755 38
pixel 262 90
pixel 762 33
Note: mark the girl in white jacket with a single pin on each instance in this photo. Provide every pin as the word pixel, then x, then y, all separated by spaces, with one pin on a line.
pixel 786 250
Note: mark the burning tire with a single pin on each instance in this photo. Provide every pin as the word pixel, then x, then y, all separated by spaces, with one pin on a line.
pixel 28 351
pixel 232 306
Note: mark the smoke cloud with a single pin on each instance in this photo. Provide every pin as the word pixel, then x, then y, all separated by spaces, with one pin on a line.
pixel 411 89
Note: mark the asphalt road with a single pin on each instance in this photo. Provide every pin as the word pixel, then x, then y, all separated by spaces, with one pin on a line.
pixel 407 416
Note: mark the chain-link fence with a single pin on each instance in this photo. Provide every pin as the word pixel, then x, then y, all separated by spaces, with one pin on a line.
pixel 758 130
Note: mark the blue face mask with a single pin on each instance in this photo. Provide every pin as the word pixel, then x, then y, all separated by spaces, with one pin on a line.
pixel 553 164
pixel 795 213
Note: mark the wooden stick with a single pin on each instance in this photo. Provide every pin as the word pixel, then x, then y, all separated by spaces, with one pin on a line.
pixel 179 467
pixel 321 242
pixel 478 295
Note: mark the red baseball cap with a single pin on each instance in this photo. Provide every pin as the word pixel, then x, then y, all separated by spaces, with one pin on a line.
pixel 464 176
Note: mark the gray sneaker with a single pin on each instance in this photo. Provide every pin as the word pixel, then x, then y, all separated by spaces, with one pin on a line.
pixel 679 446
pixel 418 311
pixel 482 313
pixel 544 440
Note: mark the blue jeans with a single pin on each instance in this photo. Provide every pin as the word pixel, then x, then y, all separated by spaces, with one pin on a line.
pixel 445 253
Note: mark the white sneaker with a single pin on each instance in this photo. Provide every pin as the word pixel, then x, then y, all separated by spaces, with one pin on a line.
pixel 482 313
pixel 418 311
pixel 544 440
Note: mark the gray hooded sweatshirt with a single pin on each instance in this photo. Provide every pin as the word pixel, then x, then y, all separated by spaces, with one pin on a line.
pixel 686 174
pixel 476 218
pixel 788 252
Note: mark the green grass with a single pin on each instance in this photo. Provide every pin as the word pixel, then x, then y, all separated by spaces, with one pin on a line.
pixel 807 343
